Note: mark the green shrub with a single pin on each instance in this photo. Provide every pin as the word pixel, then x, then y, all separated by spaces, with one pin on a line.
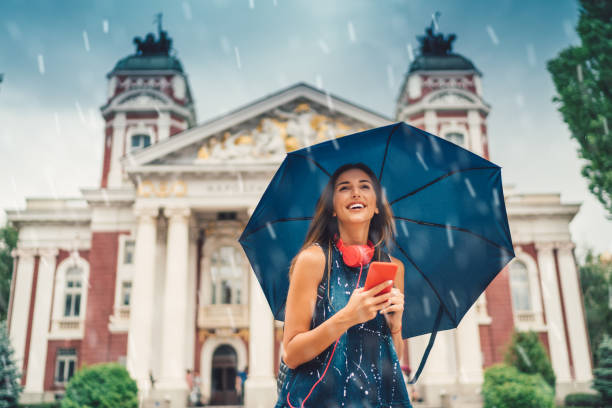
pixel 9 373
pixel 603 372
pixel 106 385
pixel 40 405
pixel 528 355
pixel 582 399
pixel 506 387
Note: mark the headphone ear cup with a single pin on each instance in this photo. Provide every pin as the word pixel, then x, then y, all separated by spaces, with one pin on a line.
pixel 352 255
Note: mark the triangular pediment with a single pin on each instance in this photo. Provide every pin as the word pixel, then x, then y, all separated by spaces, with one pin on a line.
pixel 263 131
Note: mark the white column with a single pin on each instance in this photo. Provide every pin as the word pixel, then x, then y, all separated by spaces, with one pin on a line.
pixel 114 173
pixel 40 324
pixel 260 386
pixel 574 313
pixel 21 302
pixel 141 309
pixel 469 354
pixel 172 375
pixel 431 122
pixel 554 316
pixel 163 126
pixel 191 296
pixel 475 142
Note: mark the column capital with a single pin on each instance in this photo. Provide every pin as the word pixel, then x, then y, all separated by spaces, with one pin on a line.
pixel 144 212
pixel 177 212
pixel 545 246
pixel 48 252
pixel 24 252
pixel 565 246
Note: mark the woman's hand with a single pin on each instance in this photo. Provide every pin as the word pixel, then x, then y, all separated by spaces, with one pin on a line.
pixel 394 309
pixel 364 304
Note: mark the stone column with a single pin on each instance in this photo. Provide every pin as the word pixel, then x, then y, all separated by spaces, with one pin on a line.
pixel 40 321
pixel 475 137
pixel 469 353
pixel 260 386
pixel 574 310
pixel 141 309
pixel 172 377
pixel 21 302
pixel 554 315
pixel 114 174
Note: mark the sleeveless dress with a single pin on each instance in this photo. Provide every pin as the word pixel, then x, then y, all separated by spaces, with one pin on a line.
pixel 364 371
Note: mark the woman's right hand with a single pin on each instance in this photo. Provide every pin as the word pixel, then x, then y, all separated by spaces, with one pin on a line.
pixel 363 305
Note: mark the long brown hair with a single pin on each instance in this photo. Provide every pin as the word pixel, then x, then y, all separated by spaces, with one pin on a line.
pixel 324 225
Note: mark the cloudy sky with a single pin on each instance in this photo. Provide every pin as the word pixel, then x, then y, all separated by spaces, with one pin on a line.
pixel 55 55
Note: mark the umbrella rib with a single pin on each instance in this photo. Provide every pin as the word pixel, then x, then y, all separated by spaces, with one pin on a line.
pixel 314 161
pixel 428 282
pixel 438 179
pixel 276 221
pixel 433 224
pixel 382 167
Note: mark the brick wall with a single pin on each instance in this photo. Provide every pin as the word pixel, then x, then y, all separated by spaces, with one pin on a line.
pixel 499 307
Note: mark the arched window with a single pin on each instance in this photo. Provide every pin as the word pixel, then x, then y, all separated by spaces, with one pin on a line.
pixel 456 138
pixel 72 292
pixel 140 141
pixel 519 287
pixel 226 276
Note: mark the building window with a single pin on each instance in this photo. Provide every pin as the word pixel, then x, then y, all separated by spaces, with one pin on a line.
pixel 65 365
pixel 126 291
pixel 128 251
pixel 519 286
pixel 456 138
pixel 72 293
pixel 140 141
pixel 227 273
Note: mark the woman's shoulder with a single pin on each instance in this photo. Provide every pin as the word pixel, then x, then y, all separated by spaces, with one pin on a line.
pixel 311 262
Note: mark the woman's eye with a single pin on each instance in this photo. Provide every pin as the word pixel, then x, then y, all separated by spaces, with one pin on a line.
pixel 366 186
pixel 343 188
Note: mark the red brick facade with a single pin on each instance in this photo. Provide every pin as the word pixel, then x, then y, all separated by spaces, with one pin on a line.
pixel 497 335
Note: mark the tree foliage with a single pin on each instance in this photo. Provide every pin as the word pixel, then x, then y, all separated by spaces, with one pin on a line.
pixel 603 372
pixel 105 385
pixel 528 355
pixel 9 373
pixel 8 241
pixel 583 79
pixel 596 283
pixel 506 387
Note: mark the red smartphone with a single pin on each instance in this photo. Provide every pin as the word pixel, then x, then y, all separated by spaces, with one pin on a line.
pixel 378 273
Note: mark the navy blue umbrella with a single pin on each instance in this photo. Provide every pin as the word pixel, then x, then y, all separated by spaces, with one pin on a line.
pixel 452 230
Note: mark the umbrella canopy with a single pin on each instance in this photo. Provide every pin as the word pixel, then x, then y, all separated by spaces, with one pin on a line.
pixel 452 230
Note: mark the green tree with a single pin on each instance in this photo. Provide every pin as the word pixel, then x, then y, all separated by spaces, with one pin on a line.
pixel 596 283
pixel 105 385
pixel 8 241
pixel 506 387
pixel 9 374
pixel 603 372
pixel 528 355
pixel 583 79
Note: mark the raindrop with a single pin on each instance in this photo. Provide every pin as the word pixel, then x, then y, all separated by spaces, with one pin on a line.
pixel 86 41
pixel 605 125
pixel 434 144
pixel 251 4
pixel 80 111
pixel 335 144
pixel 187 10
pixel 531 55
pixel 330 103
pixel 523 355
pixel 468 184
pixel 105 26
pixel 404 229
pixel 324 47
pixel 319 81
pixel 492 35
pixel 495 198
pixel 237 53
pixel 351 32
pixel 410 52
pixel 271 229
pixel 426 306
pixel 41 64
pixel 455 301
pixel 449 236
pixel 420 157
pixel 275 3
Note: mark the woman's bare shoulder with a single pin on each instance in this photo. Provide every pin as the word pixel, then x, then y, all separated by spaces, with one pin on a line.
pixel 311 263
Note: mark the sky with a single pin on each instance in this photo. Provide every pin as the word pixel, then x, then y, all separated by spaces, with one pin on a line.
pixel 55 57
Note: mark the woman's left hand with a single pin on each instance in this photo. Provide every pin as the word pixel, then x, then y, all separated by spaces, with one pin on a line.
pixel 393 312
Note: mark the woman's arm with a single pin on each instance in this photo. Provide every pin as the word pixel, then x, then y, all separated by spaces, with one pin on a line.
pixel 300 344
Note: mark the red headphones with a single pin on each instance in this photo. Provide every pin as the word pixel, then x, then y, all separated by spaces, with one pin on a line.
pixel 356 255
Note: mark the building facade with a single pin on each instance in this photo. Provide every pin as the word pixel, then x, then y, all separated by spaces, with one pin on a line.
pixel 146 269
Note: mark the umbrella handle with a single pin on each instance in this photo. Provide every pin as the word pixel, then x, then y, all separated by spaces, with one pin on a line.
pixel 432 338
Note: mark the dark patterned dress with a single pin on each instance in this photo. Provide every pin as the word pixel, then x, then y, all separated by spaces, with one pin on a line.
pixel 364 371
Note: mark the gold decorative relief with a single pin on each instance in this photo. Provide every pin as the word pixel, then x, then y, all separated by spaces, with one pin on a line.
pixel 243 334
pixel 302 107
pixel 162 188
pixel 203 334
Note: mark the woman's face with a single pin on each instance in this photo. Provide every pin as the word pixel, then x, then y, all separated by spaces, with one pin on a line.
pixel 354 197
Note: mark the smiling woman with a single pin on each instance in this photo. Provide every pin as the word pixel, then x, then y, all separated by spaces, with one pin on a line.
pixel 342 342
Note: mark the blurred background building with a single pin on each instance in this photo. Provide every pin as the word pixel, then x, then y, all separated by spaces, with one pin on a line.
pixel 146 269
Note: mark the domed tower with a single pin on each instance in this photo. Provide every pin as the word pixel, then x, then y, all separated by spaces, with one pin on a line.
pixel 442 94
pixel 149 100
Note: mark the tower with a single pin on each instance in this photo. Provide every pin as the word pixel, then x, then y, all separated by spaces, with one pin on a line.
pixel 149 100
pixel 442 94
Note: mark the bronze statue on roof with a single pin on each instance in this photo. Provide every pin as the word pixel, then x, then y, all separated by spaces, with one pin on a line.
pixel 436 44
pixel 149 46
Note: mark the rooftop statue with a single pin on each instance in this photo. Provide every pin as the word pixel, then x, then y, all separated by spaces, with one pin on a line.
pixel 436 44
pixel 149 46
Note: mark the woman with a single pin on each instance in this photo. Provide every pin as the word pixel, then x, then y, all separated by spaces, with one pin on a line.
pixel 342 344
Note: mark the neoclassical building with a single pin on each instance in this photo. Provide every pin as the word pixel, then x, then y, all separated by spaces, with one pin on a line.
pixel 146 270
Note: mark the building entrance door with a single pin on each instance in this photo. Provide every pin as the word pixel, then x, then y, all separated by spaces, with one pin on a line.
pixel 223 376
